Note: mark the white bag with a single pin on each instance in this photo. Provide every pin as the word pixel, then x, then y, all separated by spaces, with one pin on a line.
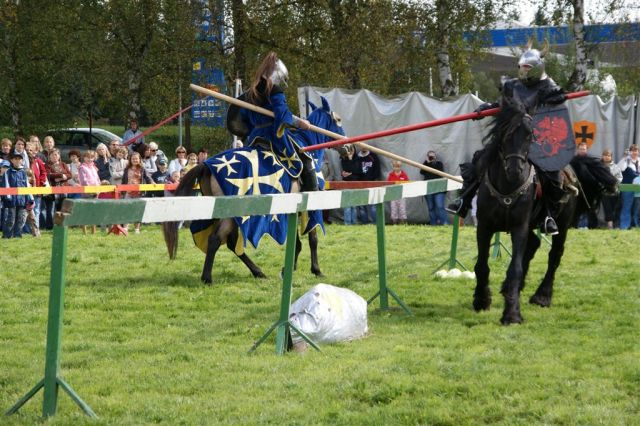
pixel 328 314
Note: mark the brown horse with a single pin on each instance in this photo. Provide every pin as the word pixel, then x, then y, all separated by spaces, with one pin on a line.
pixel 226 231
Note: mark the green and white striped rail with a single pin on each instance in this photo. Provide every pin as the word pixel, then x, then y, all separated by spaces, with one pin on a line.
pixel 151 210
pixel 94 212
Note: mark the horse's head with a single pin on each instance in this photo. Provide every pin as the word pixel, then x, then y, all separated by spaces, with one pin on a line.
pixel 512 130
pixel 325 118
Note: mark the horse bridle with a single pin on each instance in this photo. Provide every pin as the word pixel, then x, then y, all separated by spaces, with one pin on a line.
pixel 508 199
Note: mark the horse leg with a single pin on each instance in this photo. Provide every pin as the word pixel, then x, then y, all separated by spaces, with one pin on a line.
pixel 482 293
pixel 232 241
pixel 213 244
pixel 313 248
pixel 543 294
pixel 514 279
pixel 533 244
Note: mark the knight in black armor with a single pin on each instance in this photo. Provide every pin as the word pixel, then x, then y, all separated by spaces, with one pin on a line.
pixel 535 90
pixel 280 133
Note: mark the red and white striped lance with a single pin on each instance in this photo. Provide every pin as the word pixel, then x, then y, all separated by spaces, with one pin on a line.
pixel 419 126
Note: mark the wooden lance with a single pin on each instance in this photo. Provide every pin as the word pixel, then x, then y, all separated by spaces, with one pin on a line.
pixel 336 136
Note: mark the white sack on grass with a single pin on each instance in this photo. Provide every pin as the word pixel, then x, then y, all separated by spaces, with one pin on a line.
pixel 329 314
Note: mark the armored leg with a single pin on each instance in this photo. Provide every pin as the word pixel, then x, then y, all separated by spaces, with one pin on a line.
pixel 470 185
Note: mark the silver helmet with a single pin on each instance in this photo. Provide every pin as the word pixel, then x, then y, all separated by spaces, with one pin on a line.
pixel 531 64
pixel 280 74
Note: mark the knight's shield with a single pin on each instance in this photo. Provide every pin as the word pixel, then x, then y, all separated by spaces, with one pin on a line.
pixel 553 144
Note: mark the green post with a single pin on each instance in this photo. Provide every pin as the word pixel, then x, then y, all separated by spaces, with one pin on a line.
pixel 52 380
pixel 54 325
pixel 454 242
pixel 285 302
pixel 382 257
pixel 453 260
pixel 384 291
pixel 283 325
pixel 497 246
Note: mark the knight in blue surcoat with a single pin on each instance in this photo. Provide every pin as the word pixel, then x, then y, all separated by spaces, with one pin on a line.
pixel 280 133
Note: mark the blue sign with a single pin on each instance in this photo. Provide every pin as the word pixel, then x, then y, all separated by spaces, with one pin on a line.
pixel 208 111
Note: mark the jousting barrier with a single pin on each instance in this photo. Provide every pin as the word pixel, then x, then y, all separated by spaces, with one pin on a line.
pixel 148 210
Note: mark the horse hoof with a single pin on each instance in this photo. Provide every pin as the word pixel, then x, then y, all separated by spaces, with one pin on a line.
pixel 542 301
pixel 511 319
pixel 317 273
pixel 481 305
pixel 206 281
pixel 259 275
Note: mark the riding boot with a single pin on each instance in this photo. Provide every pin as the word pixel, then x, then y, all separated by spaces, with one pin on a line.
pixel 308 177
pixel 461 205
pixel 549 226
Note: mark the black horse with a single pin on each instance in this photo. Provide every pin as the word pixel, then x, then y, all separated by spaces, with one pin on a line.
pixel 507 202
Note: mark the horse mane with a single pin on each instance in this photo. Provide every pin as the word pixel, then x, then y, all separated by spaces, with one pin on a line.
pixel 505 124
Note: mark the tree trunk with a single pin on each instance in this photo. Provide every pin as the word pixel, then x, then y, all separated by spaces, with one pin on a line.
pixel 239 40
pixel 579 75
pixel 447 87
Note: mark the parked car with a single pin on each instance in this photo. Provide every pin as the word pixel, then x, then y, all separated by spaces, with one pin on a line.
pixel 81 139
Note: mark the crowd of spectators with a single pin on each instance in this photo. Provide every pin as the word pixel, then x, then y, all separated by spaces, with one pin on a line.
pixel 31 164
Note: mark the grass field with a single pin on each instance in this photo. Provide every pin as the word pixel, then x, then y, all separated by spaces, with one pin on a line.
pixel 144 342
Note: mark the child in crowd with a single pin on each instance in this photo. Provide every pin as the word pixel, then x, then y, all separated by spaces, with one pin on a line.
pixel 192 161
pixel 31 223
pixel 4 166
pixel 173 179
pixel 161 177
pixel 5 149
pixel 15 206
pixel 88 171
pixel 135 174
pixel 58 174
pixel 88 176
pixel 117 165
pixel 398 207
pixel 74 165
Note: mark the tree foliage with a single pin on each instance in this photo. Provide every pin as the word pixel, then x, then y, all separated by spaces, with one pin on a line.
pixel 64 61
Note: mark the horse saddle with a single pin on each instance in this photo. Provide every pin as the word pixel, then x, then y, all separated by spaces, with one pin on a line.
pixel 568 184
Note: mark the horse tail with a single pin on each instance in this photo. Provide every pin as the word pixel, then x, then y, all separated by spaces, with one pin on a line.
pixel 185 188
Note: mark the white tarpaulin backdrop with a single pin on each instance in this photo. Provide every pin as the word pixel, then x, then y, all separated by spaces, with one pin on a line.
pixel 363 112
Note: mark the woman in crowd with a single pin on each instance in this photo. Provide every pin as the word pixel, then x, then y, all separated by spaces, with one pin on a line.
pixel 102 162
pixel 58 174
pixel 149 160
pixel 135 174
pixel 180 161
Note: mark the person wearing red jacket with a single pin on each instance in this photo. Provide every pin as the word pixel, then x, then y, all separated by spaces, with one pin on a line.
pixel 39 177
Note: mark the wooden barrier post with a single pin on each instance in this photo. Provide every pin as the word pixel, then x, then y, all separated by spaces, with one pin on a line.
pixel 452 261
pixel 52 379
pixel 384 291
pixel 497 245
pixel 283 326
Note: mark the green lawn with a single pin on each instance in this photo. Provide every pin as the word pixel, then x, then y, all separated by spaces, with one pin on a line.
pixel 145 342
